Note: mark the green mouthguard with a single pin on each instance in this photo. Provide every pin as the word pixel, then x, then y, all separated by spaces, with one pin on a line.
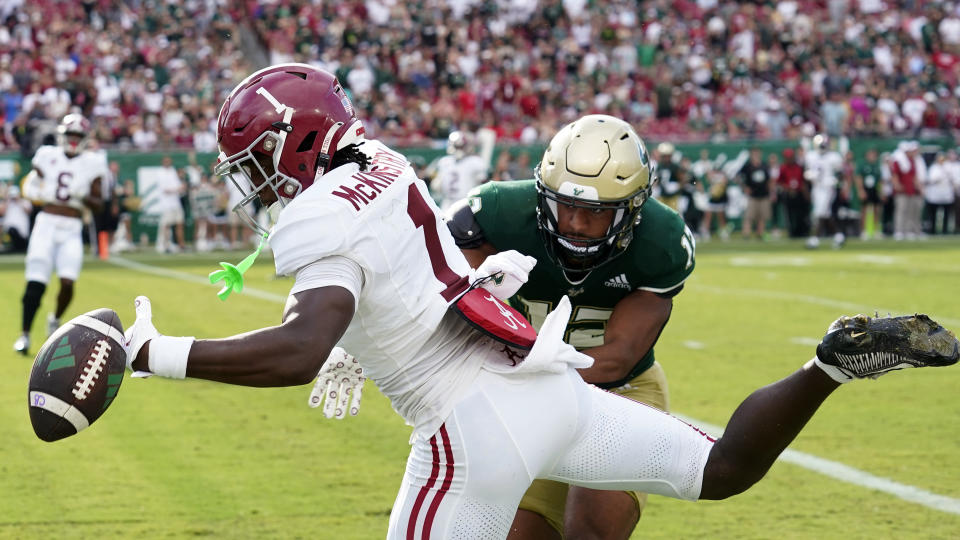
pixel 232 276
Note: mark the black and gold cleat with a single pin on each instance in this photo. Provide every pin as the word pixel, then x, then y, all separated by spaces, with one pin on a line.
pixel 862 346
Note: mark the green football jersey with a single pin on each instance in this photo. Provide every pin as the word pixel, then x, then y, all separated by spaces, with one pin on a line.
pixel 658 259
pixel 870 172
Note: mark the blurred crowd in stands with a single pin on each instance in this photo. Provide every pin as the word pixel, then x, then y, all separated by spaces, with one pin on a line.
pixel 149 74
pixel 152 73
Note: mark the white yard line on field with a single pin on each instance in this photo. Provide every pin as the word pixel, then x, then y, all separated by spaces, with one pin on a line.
pixel 848 308
pixel 832 469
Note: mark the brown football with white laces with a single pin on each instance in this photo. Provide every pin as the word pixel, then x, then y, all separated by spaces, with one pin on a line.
pixel 76 374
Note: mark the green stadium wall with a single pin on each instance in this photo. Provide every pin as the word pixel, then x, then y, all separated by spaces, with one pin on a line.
pixel 13 166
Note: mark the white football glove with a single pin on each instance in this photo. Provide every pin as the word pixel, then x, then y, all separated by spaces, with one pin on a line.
pixel 507 272
pixel 340 381
pixel 550 353
pixel 140 332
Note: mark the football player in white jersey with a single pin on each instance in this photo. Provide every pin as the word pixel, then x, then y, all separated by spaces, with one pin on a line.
pixel 454 175
pixel 376 271
pixel 65 178
pixel 820 167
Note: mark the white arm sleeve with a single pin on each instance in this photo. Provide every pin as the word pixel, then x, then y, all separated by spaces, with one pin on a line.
pixel 335 270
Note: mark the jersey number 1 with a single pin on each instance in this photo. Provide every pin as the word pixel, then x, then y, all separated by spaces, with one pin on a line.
pixel 424 218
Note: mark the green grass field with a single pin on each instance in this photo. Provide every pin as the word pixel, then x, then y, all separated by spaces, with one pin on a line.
pixel 183 459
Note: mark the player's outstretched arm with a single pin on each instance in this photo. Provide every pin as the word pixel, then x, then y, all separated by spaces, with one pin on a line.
pixel 285 355
pixel 633 329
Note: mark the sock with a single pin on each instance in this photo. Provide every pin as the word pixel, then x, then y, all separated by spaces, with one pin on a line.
pixel 834 372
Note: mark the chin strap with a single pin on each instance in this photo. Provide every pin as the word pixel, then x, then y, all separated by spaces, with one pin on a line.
pixel 232 276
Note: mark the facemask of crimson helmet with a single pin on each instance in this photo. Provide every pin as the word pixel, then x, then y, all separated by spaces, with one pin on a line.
pixel 73 134
pixel 597 162
pixel 278 131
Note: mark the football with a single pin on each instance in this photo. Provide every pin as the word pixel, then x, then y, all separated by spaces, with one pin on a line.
pixel 76 374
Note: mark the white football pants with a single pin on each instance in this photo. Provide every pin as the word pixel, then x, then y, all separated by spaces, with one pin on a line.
pixel 55 244
pixel 466 481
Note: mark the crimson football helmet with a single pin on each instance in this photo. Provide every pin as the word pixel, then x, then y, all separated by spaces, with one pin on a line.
pixel 73 134
pixel 278 131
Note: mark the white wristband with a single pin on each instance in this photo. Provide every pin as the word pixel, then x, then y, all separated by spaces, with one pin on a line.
pixel 168 356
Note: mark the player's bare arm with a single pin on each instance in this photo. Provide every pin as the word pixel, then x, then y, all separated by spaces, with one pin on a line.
pixel 631 332
pixel 288 354
pixel 477 255
pixel 93 200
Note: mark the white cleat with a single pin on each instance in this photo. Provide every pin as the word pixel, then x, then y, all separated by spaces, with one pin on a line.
pixel 53 324
pixel 22 344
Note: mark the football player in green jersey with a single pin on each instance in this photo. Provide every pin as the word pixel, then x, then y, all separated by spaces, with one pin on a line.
pixel 620 257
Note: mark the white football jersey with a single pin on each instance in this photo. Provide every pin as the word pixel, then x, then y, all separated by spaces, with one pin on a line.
pixel 456 177
pixel 66 181
pixel 821 168
pixel 385 221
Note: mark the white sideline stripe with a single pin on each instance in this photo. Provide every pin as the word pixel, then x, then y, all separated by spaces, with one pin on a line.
pixel 826 467
pixel 58 407
pixel 850 475
pixel 99 326
pixel 817 300
pixel 183 276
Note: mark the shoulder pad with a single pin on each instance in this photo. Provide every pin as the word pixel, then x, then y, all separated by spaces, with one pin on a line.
pixel 295 241
pixel 44 152
pixel 463 226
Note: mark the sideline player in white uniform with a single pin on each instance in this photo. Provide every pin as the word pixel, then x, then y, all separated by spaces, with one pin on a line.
pixel 820 168
pixel 65 178
pixel 454 175
pixel 376 270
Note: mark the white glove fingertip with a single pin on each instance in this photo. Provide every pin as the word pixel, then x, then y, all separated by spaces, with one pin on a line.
pixel 343 402
pixel 355 402
pixel 142 307
pixel 330 398
pixel 316 395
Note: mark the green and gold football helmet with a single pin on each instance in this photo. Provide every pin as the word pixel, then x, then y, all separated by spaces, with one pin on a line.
pixel 597 162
